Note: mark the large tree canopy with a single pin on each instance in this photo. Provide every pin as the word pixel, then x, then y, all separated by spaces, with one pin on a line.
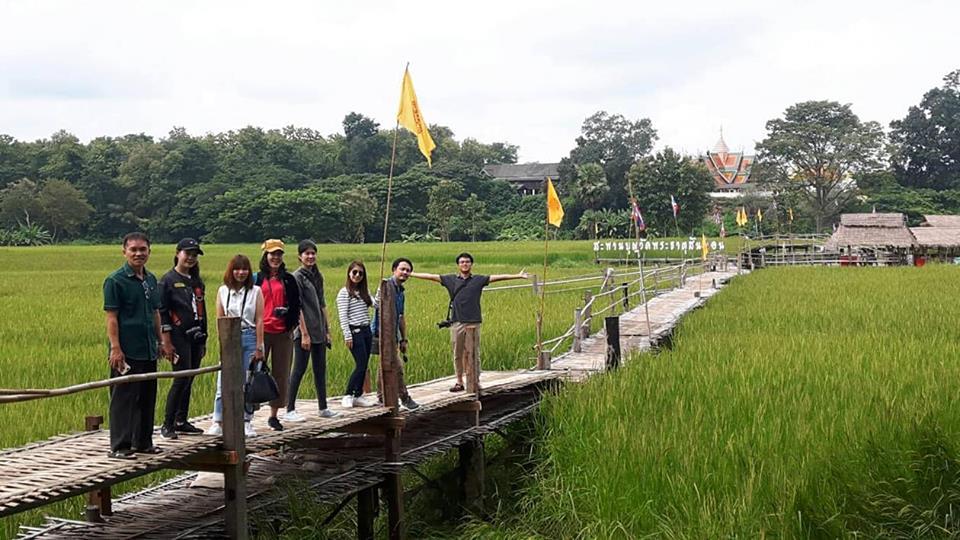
pixel 668 173
pixel 927 140
pixel 815 151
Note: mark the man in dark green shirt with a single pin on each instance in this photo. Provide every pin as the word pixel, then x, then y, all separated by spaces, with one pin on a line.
pixel 131 300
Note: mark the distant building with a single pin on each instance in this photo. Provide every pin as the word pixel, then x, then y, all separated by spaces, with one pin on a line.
pixel 938 237
pixel 730 170
pixel 883 232
pixel 526 178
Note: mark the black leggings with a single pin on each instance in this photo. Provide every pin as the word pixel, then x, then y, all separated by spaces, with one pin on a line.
pixel 178 399
pixel 362 341
pixel 300 358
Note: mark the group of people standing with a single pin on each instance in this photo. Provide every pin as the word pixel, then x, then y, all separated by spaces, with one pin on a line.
pixel 283 318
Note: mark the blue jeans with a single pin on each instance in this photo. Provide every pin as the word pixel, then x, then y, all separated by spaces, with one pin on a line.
pixel 362 341
pixel 248 346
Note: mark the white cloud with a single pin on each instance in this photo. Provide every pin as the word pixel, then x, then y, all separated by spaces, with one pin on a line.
pixel 523 72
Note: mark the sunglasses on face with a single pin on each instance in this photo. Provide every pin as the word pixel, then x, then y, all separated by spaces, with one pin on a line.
pixel 356 272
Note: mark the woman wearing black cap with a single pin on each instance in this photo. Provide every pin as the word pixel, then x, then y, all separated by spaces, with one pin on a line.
pixel 184 319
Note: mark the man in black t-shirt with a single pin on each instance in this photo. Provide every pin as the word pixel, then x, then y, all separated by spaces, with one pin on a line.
pixel 465 289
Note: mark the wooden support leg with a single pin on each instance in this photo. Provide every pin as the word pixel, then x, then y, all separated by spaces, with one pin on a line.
pixel 99 502
pixel 366 512
pixel 234 476
pixel 612 328
pixel 472 469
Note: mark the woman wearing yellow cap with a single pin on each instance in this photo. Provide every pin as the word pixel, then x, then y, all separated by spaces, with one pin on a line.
pixel 281 314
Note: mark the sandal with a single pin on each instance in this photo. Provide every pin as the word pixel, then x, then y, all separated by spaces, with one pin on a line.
pixel 456 388
pixel 151 450
pixel 121 454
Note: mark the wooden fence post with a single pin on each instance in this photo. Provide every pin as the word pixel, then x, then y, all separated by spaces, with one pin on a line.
pixel 99 502
pixel 585 315
pixel 612 327
pixel 626 296
pixel 577 330
pixel 392 483
pixel 366 502
pixel 543 360
pixel 231 381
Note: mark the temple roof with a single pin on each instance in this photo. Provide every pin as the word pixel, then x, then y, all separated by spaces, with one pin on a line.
pixel 721 146
pixel 523 172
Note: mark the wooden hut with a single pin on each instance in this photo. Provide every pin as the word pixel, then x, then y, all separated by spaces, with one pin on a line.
pixel 938 237
pixel 874 238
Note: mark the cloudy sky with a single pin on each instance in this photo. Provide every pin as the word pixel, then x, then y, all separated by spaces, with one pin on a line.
pixel 527 72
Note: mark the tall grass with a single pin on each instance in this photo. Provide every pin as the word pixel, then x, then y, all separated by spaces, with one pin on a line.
pixel 800 403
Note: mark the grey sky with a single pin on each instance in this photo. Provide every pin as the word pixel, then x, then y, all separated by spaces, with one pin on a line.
pixel 527 72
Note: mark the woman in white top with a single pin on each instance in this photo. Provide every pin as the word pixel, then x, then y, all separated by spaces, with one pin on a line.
pixel 239 297
pixel 353 308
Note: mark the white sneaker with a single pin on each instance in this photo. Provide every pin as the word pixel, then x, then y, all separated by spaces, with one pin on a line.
pixel 327 413
pixel 248 430
pixel 347 402
pixel 215 429
pixel 293 416
pixel 365 402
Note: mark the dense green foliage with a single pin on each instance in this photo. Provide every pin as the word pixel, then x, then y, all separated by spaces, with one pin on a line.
pixel 783 410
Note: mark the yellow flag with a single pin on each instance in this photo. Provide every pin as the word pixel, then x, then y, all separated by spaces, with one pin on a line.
pixel 554 208
pixel 409 116
pixel 759 216
pixel 790 212
pixel 703 246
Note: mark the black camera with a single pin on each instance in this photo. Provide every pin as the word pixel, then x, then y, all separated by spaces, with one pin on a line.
pixel 280 311
pixel 196 333
pixel 444 324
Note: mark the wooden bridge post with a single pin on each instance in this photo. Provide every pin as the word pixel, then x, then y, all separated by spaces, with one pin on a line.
pixel 234 477
pixel 543 360
pixel 472 473
pixel 577 330
pixel 586 316
pixel 99 502
pixel 392 482
pixel 626 296
pixel 366 513
pixel 612 327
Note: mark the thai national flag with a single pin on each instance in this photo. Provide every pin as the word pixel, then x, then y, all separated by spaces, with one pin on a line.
pixel 637 217
pixel 676 207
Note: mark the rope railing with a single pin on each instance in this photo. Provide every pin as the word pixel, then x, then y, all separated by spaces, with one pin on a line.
pixel 16 396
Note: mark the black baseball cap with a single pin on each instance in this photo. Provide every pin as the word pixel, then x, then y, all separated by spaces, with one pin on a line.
pixel 188 244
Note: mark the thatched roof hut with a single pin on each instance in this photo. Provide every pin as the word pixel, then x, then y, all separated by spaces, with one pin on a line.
pixel 937 237
pixel 871 231
pixel 943 221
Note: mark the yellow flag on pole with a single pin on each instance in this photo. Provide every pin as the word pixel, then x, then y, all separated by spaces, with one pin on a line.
pixel 554 208
pixel 703 246
pixel 790 213
pixel 409 116
pixel 759 216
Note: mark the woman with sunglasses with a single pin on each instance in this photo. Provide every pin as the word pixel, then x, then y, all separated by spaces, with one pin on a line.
pixel 353 308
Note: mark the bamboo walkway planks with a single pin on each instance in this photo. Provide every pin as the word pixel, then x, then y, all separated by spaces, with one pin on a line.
pixel 64 466
pixel 665 310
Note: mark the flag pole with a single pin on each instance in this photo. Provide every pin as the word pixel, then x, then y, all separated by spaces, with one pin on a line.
pixel 543 288
pixel 386 213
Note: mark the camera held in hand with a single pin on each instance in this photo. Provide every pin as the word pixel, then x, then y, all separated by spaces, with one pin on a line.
pixel 280 311
pixel 196 334
pixel 444 324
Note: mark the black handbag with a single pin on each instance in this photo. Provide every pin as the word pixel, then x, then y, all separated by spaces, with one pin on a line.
pixel 260 386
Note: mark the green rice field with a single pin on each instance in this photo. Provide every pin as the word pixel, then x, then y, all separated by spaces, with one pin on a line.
pixel 800 403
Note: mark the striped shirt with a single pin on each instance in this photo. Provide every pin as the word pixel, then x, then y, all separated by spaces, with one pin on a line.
pixel 352 312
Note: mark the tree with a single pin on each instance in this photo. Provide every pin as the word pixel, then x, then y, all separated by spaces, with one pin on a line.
pixel 668 173
pixel 443 205
pixel 359 209
pixel 616 144
pixel 19 203
pixel 815 150
pixel 927 141
pixel 473 219
pixel 65 208
pixel 592 186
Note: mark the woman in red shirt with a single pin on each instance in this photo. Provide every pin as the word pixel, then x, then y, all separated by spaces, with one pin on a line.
pixel 281 314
